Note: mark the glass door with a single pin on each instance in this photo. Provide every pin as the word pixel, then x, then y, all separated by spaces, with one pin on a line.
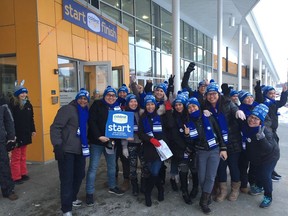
pixel 95 76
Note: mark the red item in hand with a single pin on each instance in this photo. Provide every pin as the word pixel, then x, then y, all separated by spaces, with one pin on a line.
pixel 155 142
pixel 168 105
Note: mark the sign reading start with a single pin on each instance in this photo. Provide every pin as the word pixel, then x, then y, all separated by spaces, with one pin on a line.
pixel 81 16
pixel 120 124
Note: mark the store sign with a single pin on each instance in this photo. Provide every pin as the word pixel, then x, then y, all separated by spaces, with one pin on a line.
pixel 120 124
pixel 81 16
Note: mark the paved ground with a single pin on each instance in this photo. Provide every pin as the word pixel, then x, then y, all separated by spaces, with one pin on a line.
pixel 40 196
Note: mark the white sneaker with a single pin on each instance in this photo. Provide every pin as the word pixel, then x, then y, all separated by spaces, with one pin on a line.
pixel 77 203
pixel 67 213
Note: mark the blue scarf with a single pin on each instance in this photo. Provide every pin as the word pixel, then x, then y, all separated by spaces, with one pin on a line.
pixel 220 118
pixel 247 132
pixel 121 101
pixel 111 106
pixel 247 109
pixel 156 124
pixel 83 115
pixel 268 101
pixel 209 135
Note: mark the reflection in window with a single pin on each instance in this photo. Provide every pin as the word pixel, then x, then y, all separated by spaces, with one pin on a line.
pixel 187 32
pixel 128 21
pixel 187 50
pixel 128 6
pixel 166 43
pixel 143 34
pixel 156 15
pixel 143 62
pixel 200 41
pixel 143 10
pixel 166 65
pixel 166 21
pixel 114 3
pixel 157 64
pixel 67 75
pixel 114 13
pixel 8 71
pixel 156 39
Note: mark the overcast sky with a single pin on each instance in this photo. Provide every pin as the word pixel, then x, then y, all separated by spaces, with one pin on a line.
pixel 272 18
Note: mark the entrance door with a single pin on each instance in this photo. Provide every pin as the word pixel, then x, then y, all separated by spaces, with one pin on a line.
pixel 95 76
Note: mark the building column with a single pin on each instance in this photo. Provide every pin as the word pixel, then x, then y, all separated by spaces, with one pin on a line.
pixel 251 69
pixel 219 39
pixel 176 43
pixel 260 70
pixel 240 58
pixel 266 76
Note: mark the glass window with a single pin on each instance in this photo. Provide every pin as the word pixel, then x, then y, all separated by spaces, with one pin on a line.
pixel 156 20
pixel 181 29
pixel 128 21
pixel 143 34
pixel 128 6
pixel 114 3
pixel 114 13
pixel 166 20
pixel 157 64
pixel 132 59
pixel 186 32
pixel 8 69
pixel 187 50
pixel 199 55
pixel 143 10
pixel 95 3
pixel 156 39
pixel 195 34
pixel 166 43
pixel 200 39
pixel 143 62
pixel 209 44
pixel 181 49
pixel 166 65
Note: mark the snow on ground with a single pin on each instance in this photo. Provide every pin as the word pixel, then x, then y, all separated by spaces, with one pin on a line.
pixel 283 117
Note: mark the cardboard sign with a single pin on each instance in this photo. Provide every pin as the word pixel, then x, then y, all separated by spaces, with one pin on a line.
pixel 120 124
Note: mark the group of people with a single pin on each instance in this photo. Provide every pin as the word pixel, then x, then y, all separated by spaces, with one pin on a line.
pixel 206 130
pixel 17 127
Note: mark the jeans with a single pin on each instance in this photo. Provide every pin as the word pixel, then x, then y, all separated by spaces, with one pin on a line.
pixel 208 162
pixel 245 176
pixel 71 173
pixel 95 155
pixel 232 163
pixel 154 167
pixel 263 175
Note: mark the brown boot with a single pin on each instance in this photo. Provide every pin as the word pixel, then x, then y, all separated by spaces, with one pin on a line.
pixel 234 191
pixel 244 190
pixel 125 185
pixel 223 192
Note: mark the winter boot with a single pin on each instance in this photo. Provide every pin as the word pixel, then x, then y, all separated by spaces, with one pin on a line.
pixel 215 190
pixel 184 187
pixel 234 191
pixel 135 188
pixel 143 184
pixel 223 192
pixel 125 185
pixel 160 188
pixel 150 182
pixel 204 203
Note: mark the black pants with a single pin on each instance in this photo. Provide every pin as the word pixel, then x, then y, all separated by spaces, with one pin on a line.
pixel 6 182
pixel 246 176
pixel 71 173
pixel 124 161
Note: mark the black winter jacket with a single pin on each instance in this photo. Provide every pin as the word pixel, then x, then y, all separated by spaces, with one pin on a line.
pixel 150 153
pixel 24 122
pixel 229 109
pixel 7 130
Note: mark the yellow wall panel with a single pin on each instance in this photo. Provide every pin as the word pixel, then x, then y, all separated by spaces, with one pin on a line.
pixel 100 48
pixel 112 56
pixel 6 12
pixel 125 42
pixel 92 46
pixel 78 31
pixel 119 58
pixel 64 39
pixel 79 48
pixel 111 44
pixel 46 11
pixel 48 154
pixel 58 12
pixel 7 42
pixel 105 50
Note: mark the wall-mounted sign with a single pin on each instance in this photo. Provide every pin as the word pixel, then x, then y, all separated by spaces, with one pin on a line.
pixel 83 17
pixel 120 124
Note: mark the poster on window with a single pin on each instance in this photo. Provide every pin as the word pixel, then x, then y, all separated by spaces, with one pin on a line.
pixel 120 124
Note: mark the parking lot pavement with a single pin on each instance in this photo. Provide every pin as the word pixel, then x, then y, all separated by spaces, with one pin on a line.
pixel 40 196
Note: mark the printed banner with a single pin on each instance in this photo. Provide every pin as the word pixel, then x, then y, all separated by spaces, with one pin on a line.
pixel 120 124
pixel 83 17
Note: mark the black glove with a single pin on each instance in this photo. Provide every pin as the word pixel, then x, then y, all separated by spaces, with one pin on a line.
pixel 191 67
pixel 257 88
pixel 225 89
pixel 59 153
pixel 170 85
pixel 148 86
